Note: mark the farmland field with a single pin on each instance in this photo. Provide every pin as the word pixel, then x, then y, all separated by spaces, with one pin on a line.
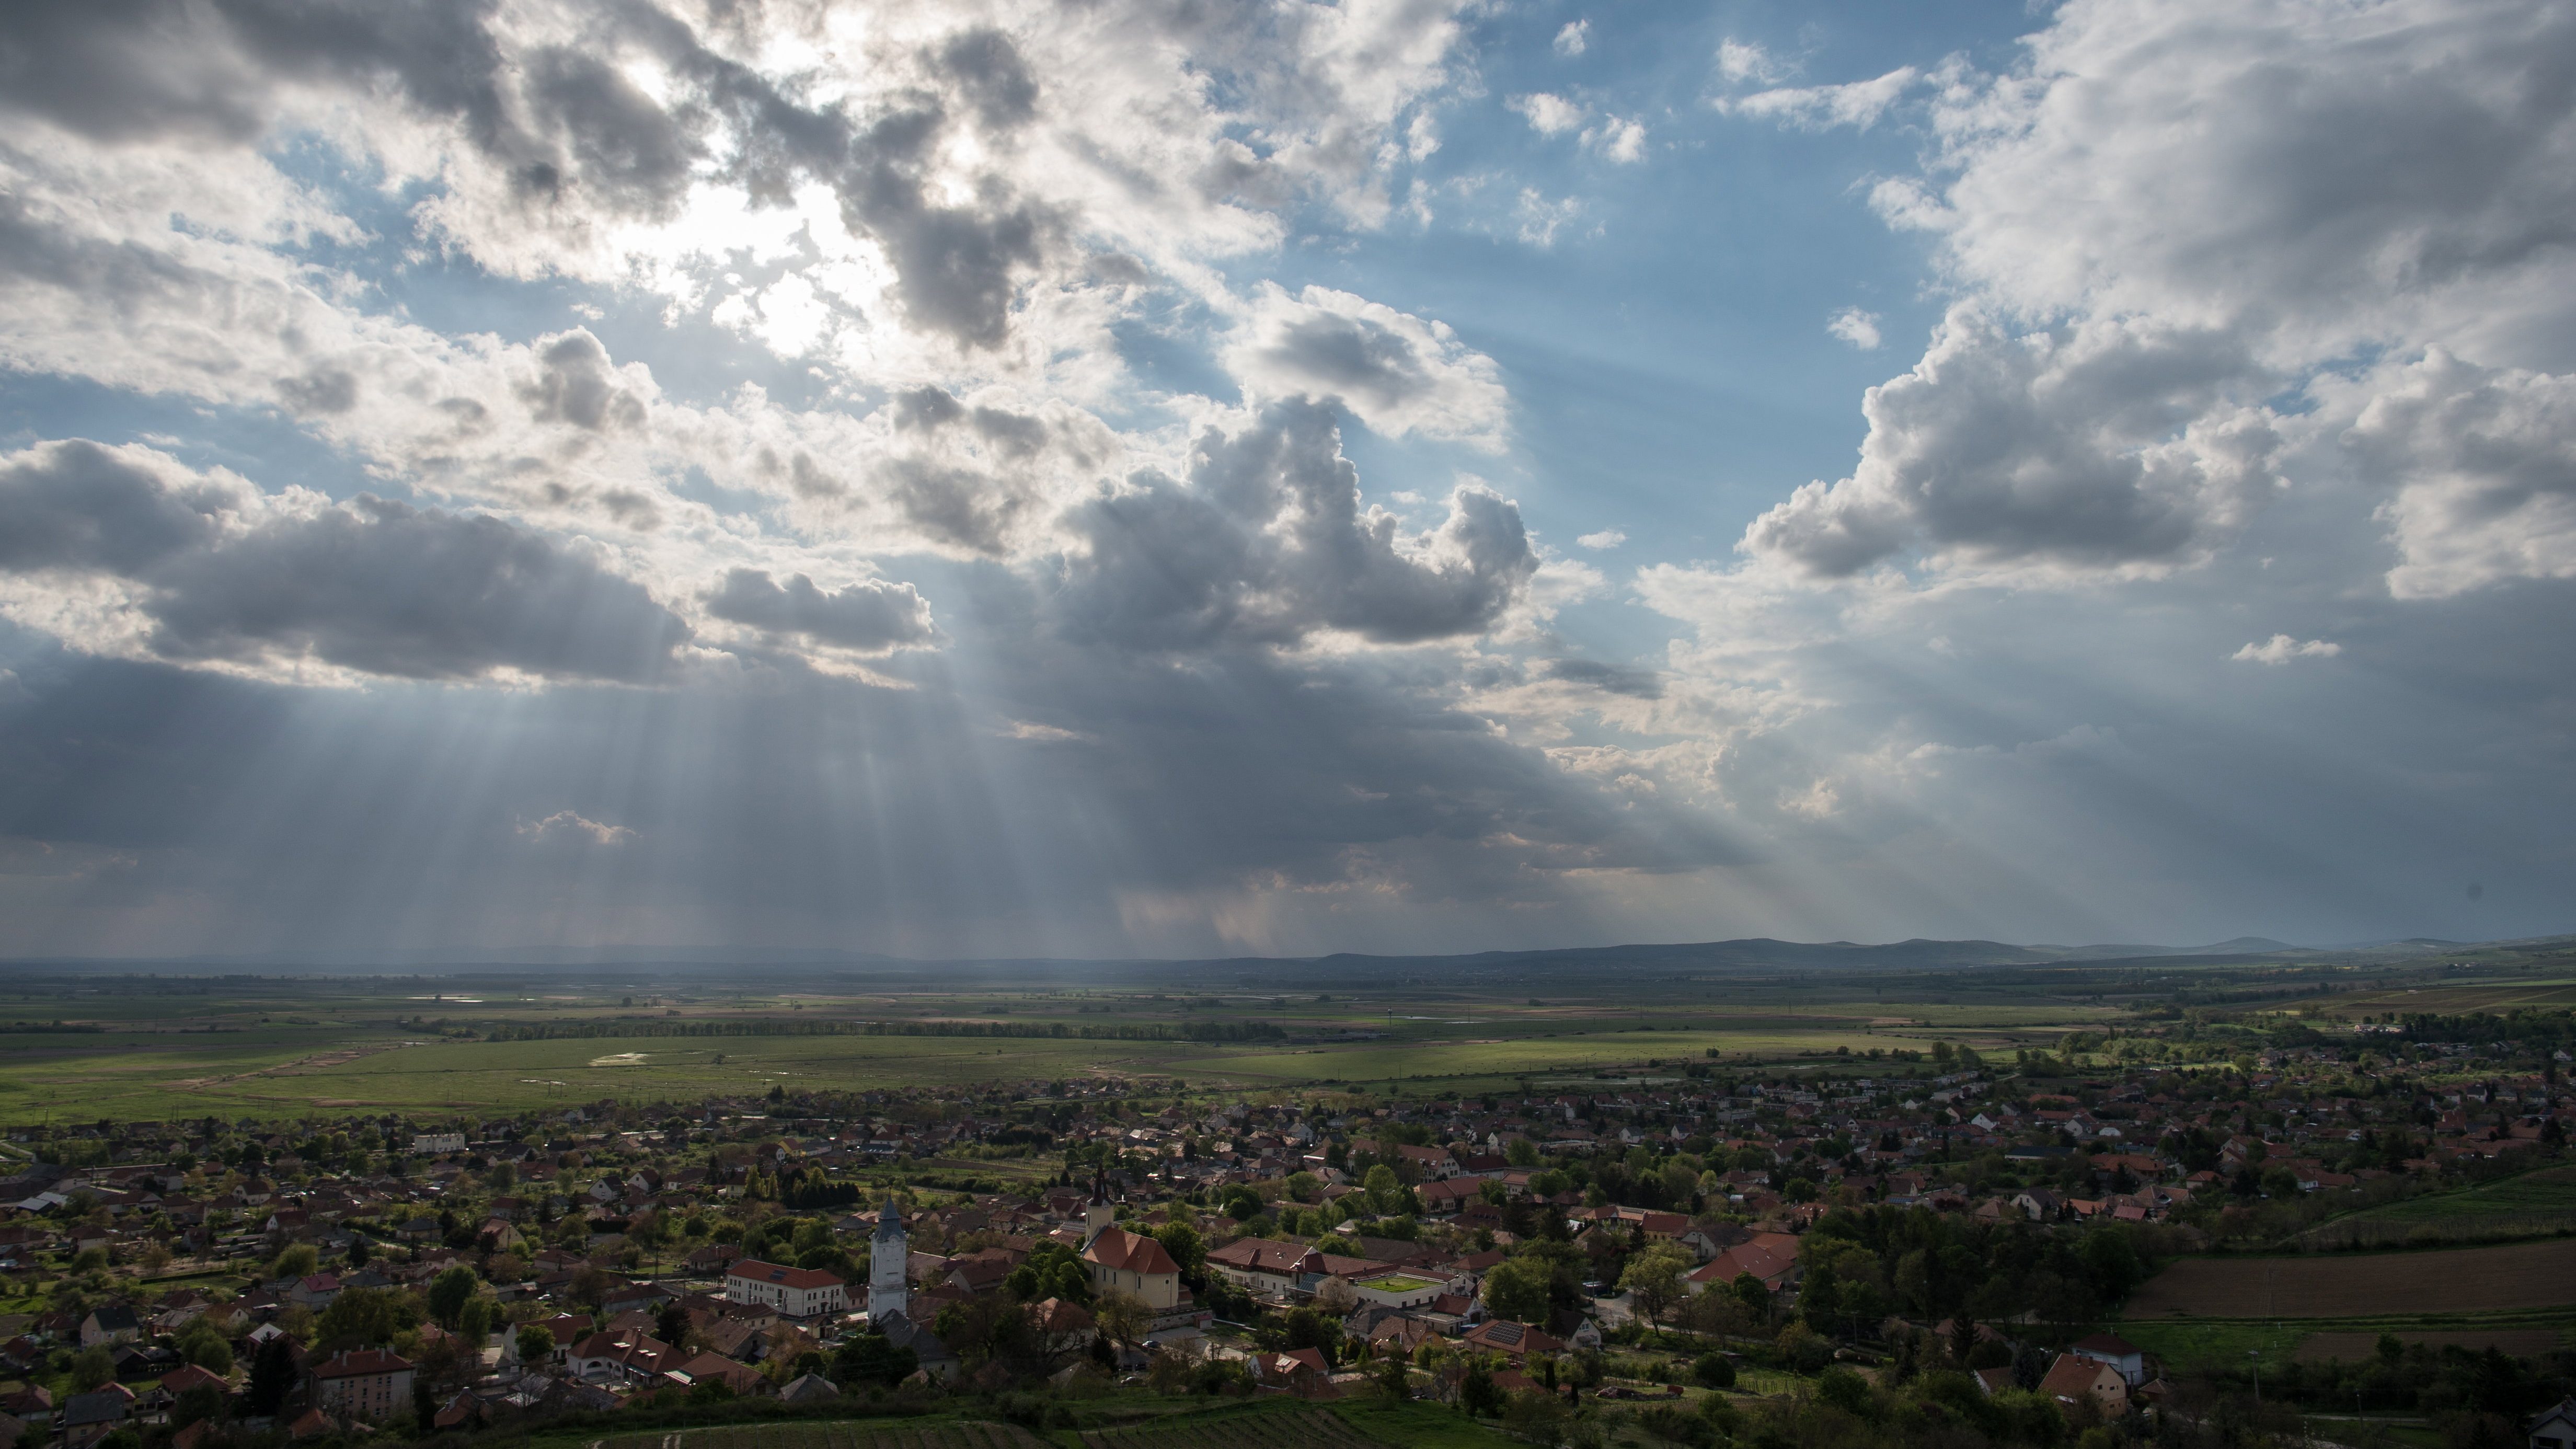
pixel 2465 1280
pixel 864 1434
pixel 152 1048
pixel 2356 1347
pixel 2532 1205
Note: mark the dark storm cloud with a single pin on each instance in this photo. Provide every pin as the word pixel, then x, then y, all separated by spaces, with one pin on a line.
pixel 872 615
pixel 1266 542
pixel 370 585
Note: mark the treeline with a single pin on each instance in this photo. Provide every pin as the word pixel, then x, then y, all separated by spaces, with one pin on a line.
pixel 1207 1031
pixel 2522 1026
pixel 66 1028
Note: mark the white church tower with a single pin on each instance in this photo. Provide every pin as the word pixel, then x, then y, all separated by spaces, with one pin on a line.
pixel 889 1252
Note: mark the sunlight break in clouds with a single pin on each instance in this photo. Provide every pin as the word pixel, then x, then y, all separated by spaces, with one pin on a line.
pixel 1127 478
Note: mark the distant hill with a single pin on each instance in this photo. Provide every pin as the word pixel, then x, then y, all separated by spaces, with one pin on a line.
pixel 1755 954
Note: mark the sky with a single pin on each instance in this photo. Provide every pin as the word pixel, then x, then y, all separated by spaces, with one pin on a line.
pixel 1191 477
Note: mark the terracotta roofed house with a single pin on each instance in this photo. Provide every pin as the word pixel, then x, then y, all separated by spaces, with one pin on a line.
pixel 793 1292
pixel 1134 1263
pixel 2074 1377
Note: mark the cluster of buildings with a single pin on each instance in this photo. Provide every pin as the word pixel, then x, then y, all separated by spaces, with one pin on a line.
pixel 615 1229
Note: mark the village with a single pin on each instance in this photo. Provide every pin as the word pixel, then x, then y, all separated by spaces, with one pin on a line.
pixel 1686 1238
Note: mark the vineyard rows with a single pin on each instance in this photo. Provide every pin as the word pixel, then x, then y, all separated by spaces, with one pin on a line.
pixel 833 1436
pixel 1303 1429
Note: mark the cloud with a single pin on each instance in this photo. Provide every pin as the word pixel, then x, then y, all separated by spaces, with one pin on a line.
pixel 569 823
pixel 1622 141
pixel 2095 447
pixel 1396 372
pixel 125 551
pixel 1573 39
pixel 1549 115
pixel 2483 466
pixel 1815 108
pixel 1264 542
pixel 1541 219
pixel 1742 61
pixel 1606 538
pixel 2281 649
pixel 1856 327
pixel 871 616
pixel 1607 677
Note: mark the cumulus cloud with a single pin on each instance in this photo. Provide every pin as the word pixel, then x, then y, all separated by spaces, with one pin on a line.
pixel 1548 114
pixel 1264 541
pixel 2096 447
pixel 1856 327
pixel 2281 649
pixel 1606 538
pixel 126 551
pixel 2483 466
pixel 871 616
pixel 1396 372
pixel 1573 39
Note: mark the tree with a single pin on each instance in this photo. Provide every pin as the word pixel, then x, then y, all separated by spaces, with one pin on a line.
pixel 299 1260
pixel 1516 1288
pixel 1748 1290
pixel 367 1318
pixel 536 1343
pixel 1122 1318
pixel 871 1358
pixel 1653 1280
pixel 272 1375
pixel 205 1401
pixel 1186 1247
pixel 1336 1296
pixel 203 1346
pixel 1385 1192
pixel 1714 1370
pixel 1478 1394
pixel 449 1292
pixel 91 1368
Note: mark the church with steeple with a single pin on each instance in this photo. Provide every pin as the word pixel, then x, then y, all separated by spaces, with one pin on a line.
pixel 889 1256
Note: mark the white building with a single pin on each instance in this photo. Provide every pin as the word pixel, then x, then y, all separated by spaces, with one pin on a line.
pixel 790 1292
pixel 435 1144
pixel 889 1250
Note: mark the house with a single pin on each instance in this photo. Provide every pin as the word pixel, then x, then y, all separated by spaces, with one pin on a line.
pixel 315 1291
pixel 2073 1378
pixel 88 1418
pixel 807 1389
pixel 793 1292
pixel 1301 1371
pixel 436 1144
pixel 109 1325
pixel 1514 1341
pixel 2121 1356
pixel 740 1377
pixel 1134 1263
pixel 1772 1259
pixel 1265 1266
pixel 371 1385
pixel 2555 1428
pixel 619 1358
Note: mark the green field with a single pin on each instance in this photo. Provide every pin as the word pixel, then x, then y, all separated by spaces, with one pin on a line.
pixel 285 1047
pixel 2532 1205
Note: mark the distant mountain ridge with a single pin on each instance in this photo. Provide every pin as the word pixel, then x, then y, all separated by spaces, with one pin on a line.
pixel 1748 954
